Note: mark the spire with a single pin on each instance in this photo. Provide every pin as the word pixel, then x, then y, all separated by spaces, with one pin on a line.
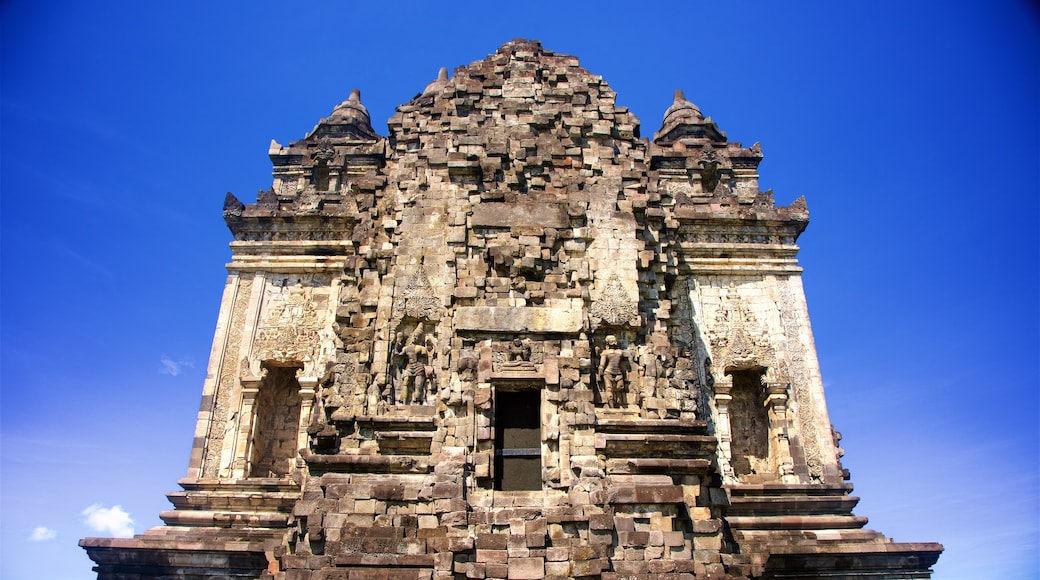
pixel 349 120
pixel 352 110
pixel 684 119
pixel 442 80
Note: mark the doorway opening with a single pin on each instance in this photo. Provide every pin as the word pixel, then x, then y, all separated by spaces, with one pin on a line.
pixel 518 440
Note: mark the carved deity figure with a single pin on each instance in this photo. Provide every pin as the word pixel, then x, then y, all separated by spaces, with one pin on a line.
pixel 517 357
pixel 518 351
pixel 414 372
pixel 612 374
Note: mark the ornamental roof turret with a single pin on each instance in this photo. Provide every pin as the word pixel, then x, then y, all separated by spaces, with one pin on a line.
pixel 684 122
pixel 349 121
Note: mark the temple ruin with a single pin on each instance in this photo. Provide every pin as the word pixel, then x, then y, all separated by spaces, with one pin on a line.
pixel 513 339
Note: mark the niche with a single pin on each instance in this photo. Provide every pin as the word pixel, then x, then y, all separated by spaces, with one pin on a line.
pixel 276 425
pixel 749 423
pixel 320 176
pixel 518 440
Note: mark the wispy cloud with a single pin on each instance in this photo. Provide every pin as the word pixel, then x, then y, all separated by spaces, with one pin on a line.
pixel 112 521
pixel 42 534
pixel 64 252
pixel 174 367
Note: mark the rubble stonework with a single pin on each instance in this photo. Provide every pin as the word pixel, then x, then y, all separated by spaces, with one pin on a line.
pixel 513 339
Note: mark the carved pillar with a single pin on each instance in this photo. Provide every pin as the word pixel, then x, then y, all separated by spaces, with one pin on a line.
pixel 776 404
pixel 247 421
pixel 723 396
pixel 308 388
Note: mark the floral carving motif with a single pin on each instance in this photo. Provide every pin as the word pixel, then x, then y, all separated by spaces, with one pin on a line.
pixel 325 151
pixel 737 341
pixel 800 383
pixel 418 300
pixel 222 412
pixel 287 188
pixel 677 188
pixel 614 306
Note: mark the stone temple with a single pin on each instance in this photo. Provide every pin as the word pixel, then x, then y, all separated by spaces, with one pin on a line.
pixel 513 339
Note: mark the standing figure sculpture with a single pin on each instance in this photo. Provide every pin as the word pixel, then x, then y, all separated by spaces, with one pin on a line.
pixel 411 387
pixel 612 375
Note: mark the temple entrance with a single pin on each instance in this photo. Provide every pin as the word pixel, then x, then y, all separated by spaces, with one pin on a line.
pixel 276 424
pixel 518 440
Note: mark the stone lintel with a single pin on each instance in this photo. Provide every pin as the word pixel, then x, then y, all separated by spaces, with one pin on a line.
pixel 314 248
pixel 507 215
pixel 286 265
pixel 368 463
pixel 645 494
pixel 735 267
pixel 518 319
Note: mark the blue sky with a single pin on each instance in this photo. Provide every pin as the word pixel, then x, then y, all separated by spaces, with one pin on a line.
pixel 912 128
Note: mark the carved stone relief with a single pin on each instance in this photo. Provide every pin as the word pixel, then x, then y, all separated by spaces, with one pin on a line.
pixel 287 187
pixel 681 191
pixel 418 299
pixel 799 379
pixel 222 419
pixel 412 372
pixel 292 322
pixel 615 306
pixel 737 341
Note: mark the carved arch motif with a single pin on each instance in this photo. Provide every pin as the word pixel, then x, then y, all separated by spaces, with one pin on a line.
pixel 418 299
pixel 737 340
pixel 615 306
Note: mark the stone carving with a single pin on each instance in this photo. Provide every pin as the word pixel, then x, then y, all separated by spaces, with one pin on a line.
pixel 516 357
pixel 800 383
pixel 287 188
pixel 678 188
pixel 222 405
pixel 612 363
pixel 519 351
pixel 737 342
pixel 413 369
pixel 291 328
pixel 325 152
pixel 614 306
pixel 418 300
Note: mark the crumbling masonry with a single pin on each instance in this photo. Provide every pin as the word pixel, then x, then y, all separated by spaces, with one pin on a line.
pixel 513 339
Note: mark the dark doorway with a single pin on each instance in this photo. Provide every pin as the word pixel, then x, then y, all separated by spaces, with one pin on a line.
pixel 518 440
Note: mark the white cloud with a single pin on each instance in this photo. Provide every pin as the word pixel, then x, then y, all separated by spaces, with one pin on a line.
pixel 42 534
pixel 174 367
pixel 112 521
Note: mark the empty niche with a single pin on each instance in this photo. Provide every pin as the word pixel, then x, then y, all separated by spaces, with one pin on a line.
pixel 276 424
pixel 518 440
pixel 749 423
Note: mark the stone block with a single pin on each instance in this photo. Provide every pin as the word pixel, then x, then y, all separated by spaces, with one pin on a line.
pixel 526 569
pixel 518 320
pixel 492 570
pixel 492 541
